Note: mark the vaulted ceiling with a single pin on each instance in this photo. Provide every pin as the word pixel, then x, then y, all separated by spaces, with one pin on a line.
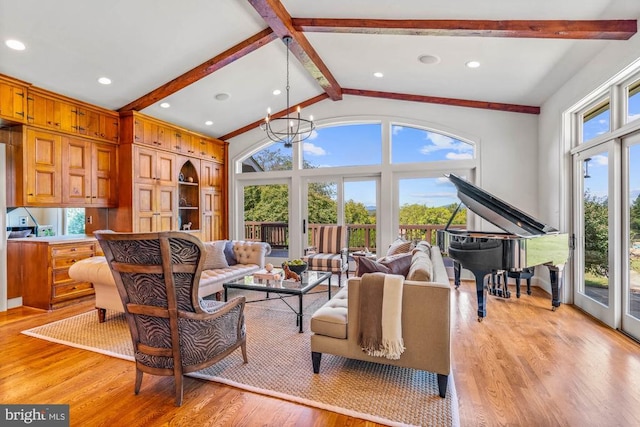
pixel 221 60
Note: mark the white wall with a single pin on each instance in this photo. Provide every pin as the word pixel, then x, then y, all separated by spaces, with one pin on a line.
pixel 507 141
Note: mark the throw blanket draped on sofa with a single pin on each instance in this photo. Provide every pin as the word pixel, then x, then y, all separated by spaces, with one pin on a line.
pixel 380 311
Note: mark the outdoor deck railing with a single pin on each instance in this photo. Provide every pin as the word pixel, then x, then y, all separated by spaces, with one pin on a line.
pixel 360 236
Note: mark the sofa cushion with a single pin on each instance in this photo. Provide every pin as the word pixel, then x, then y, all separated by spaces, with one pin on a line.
pixel 214 257
pixel 423 246
pixel 366 265
pixel 399 246
pixel 421 267
pixel 331 319
pixel 229 253
pixel 398 264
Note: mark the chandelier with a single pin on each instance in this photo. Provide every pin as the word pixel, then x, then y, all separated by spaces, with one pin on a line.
pixel 287 129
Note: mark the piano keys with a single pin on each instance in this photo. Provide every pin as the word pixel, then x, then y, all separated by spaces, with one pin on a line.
pixel 525 242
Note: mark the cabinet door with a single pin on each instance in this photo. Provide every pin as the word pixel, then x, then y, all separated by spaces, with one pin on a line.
pixel 68 116
pixel 104 175
pixel 166 208
pixel 218 217
pixel 144 214
pixel 13 101
pixel 166 169
pixel 76 171
pixel 88 122
pixel 207 226
pixel 43 168
pixel 144 165
pixel 109 128
pixel 43 111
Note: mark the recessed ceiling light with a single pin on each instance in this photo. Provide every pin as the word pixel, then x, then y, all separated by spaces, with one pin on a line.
pixel 104 80
pixel 222 96
pixel 429 59
pixel 473 64
pixel 277 92
pixel 15 44
pixel 165 105
pixel 378 74
pixel 208 123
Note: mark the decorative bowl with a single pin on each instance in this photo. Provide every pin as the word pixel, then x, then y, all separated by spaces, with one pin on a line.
pixel 297 268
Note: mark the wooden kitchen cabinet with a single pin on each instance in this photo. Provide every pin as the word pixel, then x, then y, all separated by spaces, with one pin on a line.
pixel 42 162
pixel 13 100
pixel 54 112
pixel 43 270
pixel 89 171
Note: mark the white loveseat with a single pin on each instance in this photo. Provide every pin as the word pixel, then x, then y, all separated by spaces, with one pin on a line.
pixel 249 257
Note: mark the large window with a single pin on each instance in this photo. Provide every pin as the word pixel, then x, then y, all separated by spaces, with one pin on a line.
pixel 410 144
pixel 596 121
pixel 275 157
pixel 347 145
pixel 633 102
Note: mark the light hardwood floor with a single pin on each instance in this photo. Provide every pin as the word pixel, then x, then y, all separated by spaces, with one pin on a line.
pixel 524 365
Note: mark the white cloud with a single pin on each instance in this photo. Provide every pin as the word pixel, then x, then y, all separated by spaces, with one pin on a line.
pixel 458 156
pixel 443 142
pixel 443 195
pixel 443 180
pixel 314 134
pixel 313 149
pixel 397 129
pixel 600 160
pixel 603 121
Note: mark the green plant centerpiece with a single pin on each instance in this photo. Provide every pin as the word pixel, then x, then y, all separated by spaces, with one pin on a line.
pixel 298 266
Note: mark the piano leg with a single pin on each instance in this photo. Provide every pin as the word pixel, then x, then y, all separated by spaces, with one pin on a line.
pixel 555 275
pixel 456 274
pixel 481 292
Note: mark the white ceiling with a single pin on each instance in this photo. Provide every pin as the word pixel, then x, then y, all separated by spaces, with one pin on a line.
pixel 142 44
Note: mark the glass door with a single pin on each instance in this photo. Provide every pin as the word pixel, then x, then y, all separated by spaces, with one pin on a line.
pixel 631 236
pixel 595 204
pixel 266 215
pixel 360 213
pixel 322 207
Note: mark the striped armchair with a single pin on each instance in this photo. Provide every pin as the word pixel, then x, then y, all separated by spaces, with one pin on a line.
pixel 330 253
pixel 173 331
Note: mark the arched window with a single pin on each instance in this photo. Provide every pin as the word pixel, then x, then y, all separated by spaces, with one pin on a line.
pixel 411 145
pixel 343 145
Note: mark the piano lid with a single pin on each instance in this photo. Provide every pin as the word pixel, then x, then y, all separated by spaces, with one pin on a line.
pixel 499 213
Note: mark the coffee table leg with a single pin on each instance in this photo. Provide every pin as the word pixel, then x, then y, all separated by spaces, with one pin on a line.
pixel 330 286
pixel 300 312
pixel 226 294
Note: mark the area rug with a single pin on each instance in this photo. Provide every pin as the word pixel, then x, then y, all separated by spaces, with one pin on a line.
pixel 280 366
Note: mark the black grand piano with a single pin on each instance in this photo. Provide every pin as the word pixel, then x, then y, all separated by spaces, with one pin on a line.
pixel 525 243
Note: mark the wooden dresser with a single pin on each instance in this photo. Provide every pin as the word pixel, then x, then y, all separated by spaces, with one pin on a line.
pixel 40 270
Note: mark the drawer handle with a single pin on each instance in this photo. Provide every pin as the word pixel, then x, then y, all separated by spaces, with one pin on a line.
pixel 73 249
pixel 73 260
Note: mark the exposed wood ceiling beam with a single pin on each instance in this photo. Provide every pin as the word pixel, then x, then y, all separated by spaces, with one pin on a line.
pixel 282 113
pixel 513 108
pixel 277 17
pixel 548 29
pixel 225 58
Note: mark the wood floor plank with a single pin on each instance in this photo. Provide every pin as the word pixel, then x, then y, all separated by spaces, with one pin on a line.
pixel 523 365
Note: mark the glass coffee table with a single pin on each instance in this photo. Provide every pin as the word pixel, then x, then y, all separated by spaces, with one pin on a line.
pixel 282 288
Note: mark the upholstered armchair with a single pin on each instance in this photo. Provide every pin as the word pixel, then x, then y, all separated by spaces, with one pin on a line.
pixel 173 331
pixel 330 253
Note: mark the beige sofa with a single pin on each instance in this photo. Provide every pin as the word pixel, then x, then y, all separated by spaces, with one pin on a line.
pixel 426 324
pixel 250 257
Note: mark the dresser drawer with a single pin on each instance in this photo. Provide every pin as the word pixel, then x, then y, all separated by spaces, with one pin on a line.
pixel 68 261
pixel 71 290
pixel 72 250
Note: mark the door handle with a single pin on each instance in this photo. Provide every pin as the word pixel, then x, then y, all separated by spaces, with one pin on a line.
pixel 304 226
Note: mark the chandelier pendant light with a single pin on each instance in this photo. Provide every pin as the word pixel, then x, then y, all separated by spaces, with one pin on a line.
pixel 287 129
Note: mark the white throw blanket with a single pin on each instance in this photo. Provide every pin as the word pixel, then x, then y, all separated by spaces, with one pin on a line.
pixel 388 320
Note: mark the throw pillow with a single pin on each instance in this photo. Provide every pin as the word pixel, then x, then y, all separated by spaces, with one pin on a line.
pixel 421 268
pixel 399 246
pixel 214 255
pixel 366 265
pixel 229 254
pixel 398 264
pixel 423 246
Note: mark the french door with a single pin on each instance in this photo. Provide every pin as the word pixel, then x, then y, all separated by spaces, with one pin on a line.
pixel 348 201
pixel 607 229
pixel 266 215
pixel 631 235
pixel 597 232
